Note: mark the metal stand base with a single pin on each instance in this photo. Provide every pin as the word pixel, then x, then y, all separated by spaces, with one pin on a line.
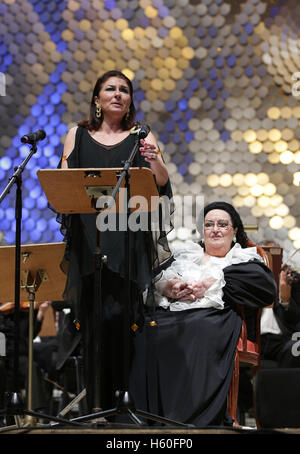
pixel 125 406
pixel 16 409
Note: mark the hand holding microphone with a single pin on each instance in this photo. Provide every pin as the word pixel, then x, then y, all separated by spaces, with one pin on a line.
pixel 149 150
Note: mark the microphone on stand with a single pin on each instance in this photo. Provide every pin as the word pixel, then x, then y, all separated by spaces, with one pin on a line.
pixel 34 137
pixel 143 131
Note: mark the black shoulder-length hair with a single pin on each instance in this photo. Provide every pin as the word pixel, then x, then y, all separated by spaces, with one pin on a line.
pixel 241 236
pixel 94 123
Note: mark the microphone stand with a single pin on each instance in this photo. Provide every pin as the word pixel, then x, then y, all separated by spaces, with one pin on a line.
pixel 14 401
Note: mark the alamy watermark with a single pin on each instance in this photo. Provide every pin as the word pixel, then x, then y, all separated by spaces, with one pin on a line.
pixel 2 84
pixel 157 213
pixel 296 345
pixel 2 344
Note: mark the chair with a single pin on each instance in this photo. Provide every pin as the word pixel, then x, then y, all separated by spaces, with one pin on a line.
pixel 247 352
pixel 73 383
pixel 69 379
pixel 69 382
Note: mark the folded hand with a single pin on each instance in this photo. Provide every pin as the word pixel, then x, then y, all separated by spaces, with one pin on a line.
pixel 177 290
pixel 187 291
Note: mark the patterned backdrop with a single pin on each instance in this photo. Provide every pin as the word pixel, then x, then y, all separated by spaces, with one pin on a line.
pixel 216 80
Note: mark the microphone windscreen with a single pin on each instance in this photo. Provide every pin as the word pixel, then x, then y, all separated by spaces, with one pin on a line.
pixel 144 131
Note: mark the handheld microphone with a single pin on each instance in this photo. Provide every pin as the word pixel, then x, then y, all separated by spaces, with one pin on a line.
pixel 34 137
pixel 144 131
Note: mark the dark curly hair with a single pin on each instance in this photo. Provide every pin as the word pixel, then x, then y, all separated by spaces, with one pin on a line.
pixel 241 236
pixel 94 123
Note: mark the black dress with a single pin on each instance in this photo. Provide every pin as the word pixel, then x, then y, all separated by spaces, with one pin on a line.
pixel 183 366
pixel 80 234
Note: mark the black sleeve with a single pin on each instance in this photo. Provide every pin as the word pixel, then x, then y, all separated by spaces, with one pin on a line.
pixel 250 284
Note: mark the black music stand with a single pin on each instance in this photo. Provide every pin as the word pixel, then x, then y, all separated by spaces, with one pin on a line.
pixel 71 191
pixel 41 279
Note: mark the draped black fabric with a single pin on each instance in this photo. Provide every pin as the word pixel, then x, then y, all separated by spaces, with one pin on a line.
pixel 183 366
pixel 248 288
pixel 80 232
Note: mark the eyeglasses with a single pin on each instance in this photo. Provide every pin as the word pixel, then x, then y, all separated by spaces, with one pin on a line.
pixel 221 224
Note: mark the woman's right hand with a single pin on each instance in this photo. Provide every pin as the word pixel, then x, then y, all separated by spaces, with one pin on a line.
pixel 187 291
pixel 178 290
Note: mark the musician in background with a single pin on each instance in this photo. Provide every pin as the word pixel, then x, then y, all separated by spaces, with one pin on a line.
pixel 279 326
pixel 281 323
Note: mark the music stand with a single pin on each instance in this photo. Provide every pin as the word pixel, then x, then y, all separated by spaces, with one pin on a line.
pixel 41 279
pixel 71 191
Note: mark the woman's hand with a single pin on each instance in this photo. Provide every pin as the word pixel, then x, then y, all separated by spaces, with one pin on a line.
pixel 150 151
pixel 200 287
pixel 187 291
pixel 178 290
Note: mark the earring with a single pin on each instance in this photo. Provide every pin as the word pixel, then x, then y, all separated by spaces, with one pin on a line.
pixel 98 110
pixel 128 114
pixel 234 239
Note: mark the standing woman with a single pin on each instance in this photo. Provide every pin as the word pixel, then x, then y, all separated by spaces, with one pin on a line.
pixel 106 140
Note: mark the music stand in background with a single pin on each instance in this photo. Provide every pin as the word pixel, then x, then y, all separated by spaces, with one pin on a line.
pixel 71 191
pixel 15 406
pixel 41 279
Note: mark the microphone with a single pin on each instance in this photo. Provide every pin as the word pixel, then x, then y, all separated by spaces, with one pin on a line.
pixel 34 137
pixel 144 131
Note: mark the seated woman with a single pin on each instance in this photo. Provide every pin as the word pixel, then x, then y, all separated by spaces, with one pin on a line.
pixel 184 355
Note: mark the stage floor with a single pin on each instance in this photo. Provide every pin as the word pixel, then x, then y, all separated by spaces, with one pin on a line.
pixel 146 431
